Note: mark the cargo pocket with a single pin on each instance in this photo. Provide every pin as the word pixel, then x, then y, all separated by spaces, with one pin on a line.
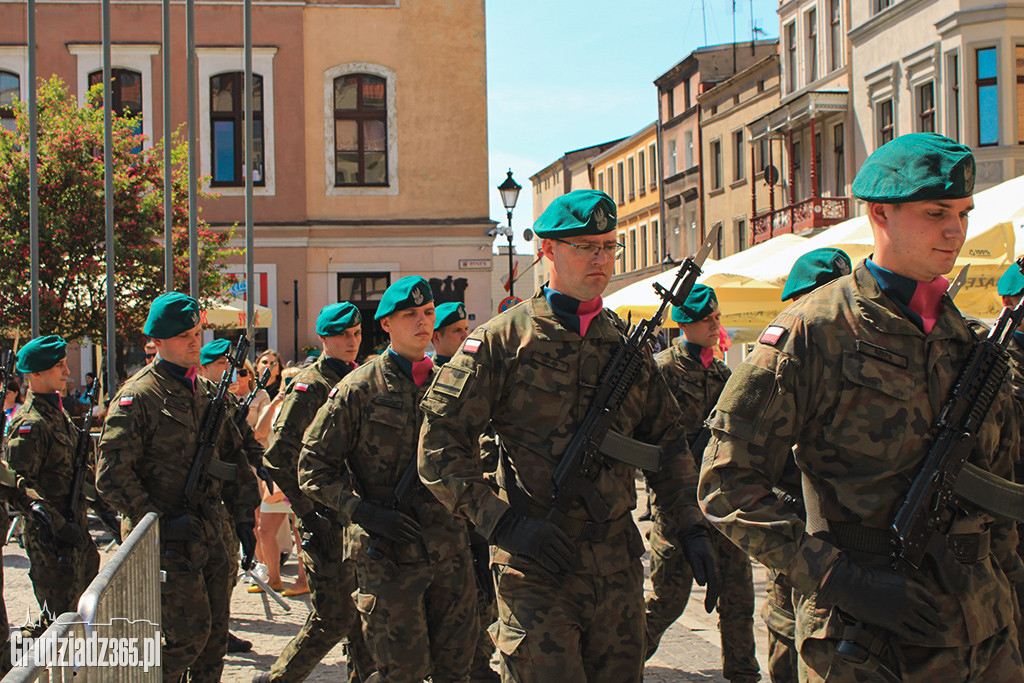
pixel 510 641
pixel 374 626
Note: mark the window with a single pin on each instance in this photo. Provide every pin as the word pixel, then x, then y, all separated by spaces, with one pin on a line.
pixel 719 248
pixel 642 167
pixel 136 59
pixel 360 130
pixel 10 89
pixel 631 165
pixel 762 154
pixel 886 126
pixel 741 234
pixel 716 164
pixel 817 165
pixel 840 159
pixel 926 107
pixel 1020 93
pixel 652 160
pixel 672 157
pixel 610 179
pixel 671 104
pixel 836 33
pixel 364 290
pixel 988 98
pixel 738 167
pixel 688 149
pixel 790 33
pixel 227 120
pixel 621 187
pixel 953 78
pixel 880 5
pixel 760 85
pixel 643 246
pixel 632 249
pixel 621 264
pixel 812 46
pixel 797 189
pixel 686 94
pixel 656 240
pixel 600 182
pixel 125 95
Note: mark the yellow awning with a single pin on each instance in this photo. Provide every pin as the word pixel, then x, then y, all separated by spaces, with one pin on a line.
pixel 234 314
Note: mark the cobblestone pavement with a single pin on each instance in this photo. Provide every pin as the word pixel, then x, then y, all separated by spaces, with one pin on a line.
pixel 690 650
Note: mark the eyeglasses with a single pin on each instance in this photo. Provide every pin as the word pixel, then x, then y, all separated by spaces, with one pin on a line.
pixel 243 372
pixel 150 356
pixel 612 250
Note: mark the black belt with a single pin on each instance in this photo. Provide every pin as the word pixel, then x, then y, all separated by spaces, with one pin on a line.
pixel 967 548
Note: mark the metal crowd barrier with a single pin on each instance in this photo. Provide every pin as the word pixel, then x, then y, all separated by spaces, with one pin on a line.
pixel 122 603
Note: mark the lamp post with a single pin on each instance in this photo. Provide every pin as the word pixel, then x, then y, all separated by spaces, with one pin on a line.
pixel 509 190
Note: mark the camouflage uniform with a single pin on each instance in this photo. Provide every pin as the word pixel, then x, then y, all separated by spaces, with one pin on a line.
pixel 531 379
pixel 41 450
pixel 696 389
pixel 846 379
pixel 417 602
pixel 332 580
pixel 145 455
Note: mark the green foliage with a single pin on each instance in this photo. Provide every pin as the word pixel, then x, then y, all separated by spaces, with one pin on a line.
pixel 72 243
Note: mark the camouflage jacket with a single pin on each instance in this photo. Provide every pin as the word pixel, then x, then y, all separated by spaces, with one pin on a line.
pixel 855 387
pixel 41 451
pixel 532 380
pixel 148 442
pixel 360 444
pixel 251 448
pixel 695 387
pixel 303 397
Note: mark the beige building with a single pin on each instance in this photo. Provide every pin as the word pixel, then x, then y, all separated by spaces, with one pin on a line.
pixel 732 175
pixel 950 66
pixel 366 169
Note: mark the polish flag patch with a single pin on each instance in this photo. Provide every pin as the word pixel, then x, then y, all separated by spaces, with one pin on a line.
pixel 299 386
pixel 126 400
pixel 25 429
pixel 333 393
pixel 772 335
pixel 471 346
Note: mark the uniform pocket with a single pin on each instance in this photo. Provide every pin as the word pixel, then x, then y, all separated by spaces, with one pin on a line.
pixel 365 602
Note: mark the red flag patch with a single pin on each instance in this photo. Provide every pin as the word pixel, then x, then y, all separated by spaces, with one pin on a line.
pixel 471 346
pixel 126 400
pixel 25 429
pixel 772 334
pixel 333 393
pixel 299 386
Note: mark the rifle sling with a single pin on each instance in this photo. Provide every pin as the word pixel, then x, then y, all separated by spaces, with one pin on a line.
pixel 990 492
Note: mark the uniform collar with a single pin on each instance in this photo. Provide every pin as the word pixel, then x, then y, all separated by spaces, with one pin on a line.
pixel 397 381
pixel 50 401
pixel 336 365
pixel 883 314
pixel 174 374
pixel 548 326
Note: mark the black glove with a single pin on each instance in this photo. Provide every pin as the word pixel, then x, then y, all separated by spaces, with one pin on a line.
pixel 70 535
pixel 42 522
pixel 247 537
pixel 178 529
pixel 113 523
pixel 537 539
pixel 263 473
pixel 700 555
pixel 318 532
pixel 882 597
pixel 386 523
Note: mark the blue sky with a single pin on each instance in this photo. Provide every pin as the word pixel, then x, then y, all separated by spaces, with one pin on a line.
pixel 565 74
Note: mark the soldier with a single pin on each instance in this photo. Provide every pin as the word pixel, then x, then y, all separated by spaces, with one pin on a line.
pixel 416 595
pixel 848 382
pixel 810 271
pixel 451 327
pixel 696 378
pixel 145 456
pixel 570 597
pixel 41 451
pixel 331 577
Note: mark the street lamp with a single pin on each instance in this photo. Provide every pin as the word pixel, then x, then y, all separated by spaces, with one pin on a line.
pixel 509 194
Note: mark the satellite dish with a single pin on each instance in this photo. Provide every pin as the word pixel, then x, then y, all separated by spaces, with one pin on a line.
pixel 771 174
pixel 528 235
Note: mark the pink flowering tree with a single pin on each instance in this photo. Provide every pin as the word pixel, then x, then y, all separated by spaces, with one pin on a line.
pixel 72 246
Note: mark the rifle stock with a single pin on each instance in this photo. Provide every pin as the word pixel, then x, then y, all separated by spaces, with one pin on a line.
pixel 82 447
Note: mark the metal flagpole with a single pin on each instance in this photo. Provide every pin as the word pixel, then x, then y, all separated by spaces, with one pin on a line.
pixel 168 184
pixel 250 287
pixel 108 198
pixel 193 171
pixel 33 172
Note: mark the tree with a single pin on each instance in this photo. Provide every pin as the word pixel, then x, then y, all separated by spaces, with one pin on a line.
pixel 72 243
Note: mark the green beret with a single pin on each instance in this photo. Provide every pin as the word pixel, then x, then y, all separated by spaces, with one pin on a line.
pixel 171 314
pixel 449 314
pixel 214 350
pixel 1011 283
pixel 814 269
pixel 336 318
pixel 42 353
pixel 699 304
pixel 914 168
pixel 405 293
pixel 581 212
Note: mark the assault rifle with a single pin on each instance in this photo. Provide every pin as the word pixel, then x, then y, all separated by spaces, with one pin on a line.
pixel 81 461
pixel 594 442
pixel 922 522
pixel 243 408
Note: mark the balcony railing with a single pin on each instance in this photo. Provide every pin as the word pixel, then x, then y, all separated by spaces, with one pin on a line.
pixel 816 212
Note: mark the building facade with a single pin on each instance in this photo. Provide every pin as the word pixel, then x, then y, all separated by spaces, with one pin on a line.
pixel 370 161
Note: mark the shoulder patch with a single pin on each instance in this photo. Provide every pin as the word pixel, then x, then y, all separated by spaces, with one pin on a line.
pixel 25 429
pixel 301 386
pixel 772 335
pixel 125 401
pixel 333 392
pixel 471 346
pixel 451 381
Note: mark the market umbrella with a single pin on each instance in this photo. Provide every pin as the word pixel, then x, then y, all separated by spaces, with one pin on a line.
pixel 233 315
